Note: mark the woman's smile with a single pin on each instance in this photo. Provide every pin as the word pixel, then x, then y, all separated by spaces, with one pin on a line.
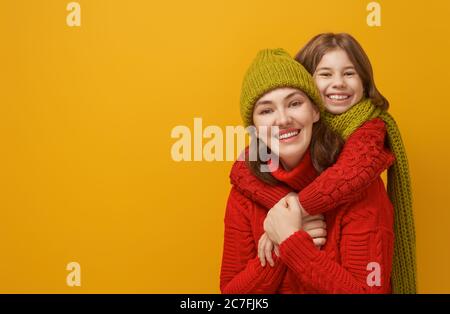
pixel 288 135
pixel 293 115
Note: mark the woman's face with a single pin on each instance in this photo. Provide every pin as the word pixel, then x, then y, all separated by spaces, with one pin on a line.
pixel 294 114
pixel 339 84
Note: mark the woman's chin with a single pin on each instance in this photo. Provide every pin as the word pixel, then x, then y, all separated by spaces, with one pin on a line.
pixel 289 151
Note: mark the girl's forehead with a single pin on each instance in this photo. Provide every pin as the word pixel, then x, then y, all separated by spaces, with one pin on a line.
pixel 335 57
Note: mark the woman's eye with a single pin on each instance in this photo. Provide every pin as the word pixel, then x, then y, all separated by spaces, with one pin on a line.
pixel 265 111
pixel 349 73
pixel 295 103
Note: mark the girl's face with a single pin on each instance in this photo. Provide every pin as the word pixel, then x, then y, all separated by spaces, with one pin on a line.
pixel 339 84
pixel 294 114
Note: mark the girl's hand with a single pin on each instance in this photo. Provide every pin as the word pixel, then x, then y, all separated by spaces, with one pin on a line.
pixel 265 247
pixel 315 226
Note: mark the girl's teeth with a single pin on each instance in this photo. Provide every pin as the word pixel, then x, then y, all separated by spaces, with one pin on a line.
pixel 287 135
pixel 338 97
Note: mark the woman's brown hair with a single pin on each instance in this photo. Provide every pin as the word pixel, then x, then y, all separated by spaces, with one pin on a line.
pixel 325 147
pixel 311 54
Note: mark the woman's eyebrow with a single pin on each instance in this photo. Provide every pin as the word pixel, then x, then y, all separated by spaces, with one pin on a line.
pixel 268 102
pixel 263 102
pixel 293 94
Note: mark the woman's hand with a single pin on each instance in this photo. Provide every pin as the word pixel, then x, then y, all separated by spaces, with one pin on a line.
pixel 284 219
pixel 315 226
pixel 294 196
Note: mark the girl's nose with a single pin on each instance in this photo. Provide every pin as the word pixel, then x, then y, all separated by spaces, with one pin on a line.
pixel 338 82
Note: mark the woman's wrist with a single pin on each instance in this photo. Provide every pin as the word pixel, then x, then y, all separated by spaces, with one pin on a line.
pixel 287 234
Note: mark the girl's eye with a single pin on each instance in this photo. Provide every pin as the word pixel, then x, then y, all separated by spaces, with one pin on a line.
pixel 324 74
pixel 349 73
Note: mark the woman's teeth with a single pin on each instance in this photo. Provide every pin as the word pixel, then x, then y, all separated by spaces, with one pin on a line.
pixel 288 135
pixel 338 97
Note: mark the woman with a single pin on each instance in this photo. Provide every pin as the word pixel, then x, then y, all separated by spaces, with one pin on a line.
pixel 357 256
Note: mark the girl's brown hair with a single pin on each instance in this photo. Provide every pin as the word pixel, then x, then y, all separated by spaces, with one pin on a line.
pixel 324 149
pixel 311 54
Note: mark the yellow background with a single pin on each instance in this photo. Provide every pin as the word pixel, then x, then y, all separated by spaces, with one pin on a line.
pixel 86 115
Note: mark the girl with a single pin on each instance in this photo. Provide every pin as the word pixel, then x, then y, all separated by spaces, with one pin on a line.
pixel 356 110
pixel 278 91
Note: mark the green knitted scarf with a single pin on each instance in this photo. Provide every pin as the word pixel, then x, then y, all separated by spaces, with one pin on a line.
pixel 398 186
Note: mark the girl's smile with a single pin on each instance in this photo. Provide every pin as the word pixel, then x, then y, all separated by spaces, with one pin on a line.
pixel 339 84
pixel 338 98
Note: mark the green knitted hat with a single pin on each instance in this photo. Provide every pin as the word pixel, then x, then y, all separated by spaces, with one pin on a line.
pixel 271 69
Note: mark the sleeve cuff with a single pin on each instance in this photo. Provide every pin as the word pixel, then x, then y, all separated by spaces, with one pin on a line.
pixel 298 250
pixel 312 200
pixel 269 197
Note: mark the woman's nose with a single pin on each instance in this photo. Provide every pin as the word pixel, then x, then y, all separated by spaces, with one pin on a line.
pixel 283 118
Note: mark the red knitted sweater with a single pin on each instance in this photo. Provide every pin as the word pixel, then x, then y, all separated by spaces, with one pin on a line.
pixel 359 225
pixel 363 158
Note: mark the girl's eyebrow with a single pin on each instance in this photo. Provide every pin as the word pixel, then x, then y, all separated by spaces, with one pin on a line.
pixel 323 68
pixel 327 68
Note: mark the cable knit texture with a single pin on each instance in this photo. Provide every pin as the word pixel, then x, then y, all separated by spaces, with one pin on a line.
pixel 360 232
pixel 399 188
pixel 363 158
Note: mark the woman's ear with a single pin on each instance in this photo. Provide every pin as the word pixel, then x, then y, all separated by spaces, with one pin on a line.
pixel 316 115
